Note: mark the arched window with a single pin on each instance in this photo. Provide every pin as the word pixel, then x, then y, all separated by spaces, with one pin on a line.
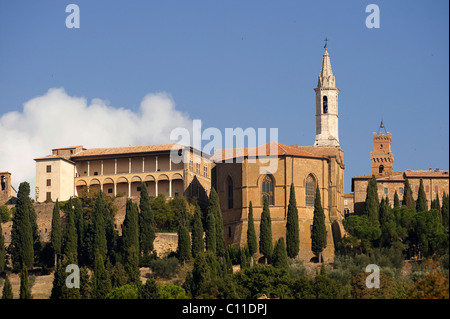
pixel 325 104
pixel 310 186
pixel 230 192
pixel 381 169
pixel 267 189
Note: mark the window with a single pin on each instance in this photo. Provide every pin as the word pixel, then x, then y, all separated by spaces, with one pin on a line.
pixel 49 168
pixel 110 190
pixel 381 146
pixel 267 189
pixel 3 183
pixel 205 170
pixel 400 190
pixel 309 190
pixel 381 169
pixel 197 168
pixel 95 173
pixel 49 182
pixel 325 104
pixel 191 165
pixel 229 231
pixel 230 192
pixel 346 212
pixel 138 188
pixel 49 196
pixel 386 191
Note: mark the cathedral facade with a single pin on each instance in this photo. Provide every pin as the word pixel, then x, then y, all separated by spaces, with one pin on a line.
pixel 239 179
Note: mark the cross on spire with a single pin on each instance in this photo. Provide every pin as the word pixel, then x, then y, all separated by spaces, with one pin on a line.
pixel 326 42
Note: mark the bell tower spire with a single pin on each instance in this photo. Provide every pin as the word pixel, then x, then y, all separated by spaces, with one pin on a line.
pixel 326 106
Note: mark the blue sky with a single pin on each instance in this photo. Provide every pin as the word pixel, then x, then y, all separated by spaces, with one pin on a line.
pixel 243 64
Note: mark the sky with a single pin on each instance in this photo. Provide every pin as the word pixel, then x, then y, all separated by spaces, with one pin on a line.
pixel 134 70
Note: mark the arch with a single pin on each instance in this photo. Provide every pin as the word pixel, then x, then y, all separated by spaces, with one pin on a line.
pixel 81 182
pixel 177 176
pixel 94 182
pixel 381 169
pixel 149 178
pixel 136 179
pixel 325 104
pixel 122 179
pixel 267 189
pixel 163 177
pixel 108 181
pixel 230 192
pixel 310 190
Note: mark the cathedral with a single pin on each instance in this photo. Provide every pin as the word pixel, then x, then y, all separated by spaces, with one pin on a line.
pixel 239 181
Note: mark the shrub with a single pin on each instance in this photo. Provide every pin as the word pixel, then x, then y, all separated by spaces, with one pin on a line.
pixel 164 268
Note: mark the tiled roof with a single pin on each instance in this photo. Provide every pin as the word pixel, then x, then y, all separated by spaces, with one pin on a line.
pixel 400 176
pixel 272 149
pixel 49 157
pixel 126 150
pixel 429 173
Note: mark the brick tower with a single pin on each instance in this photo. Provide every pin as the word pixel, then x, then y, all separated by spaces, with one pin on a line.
pixel 382 158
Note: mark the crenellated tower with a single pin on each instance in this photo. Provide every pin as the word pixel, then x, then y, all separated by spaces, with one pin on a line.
pixel 382 158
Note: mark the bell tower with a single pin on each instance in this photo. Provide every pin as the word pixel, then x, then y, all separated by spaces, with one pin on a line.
pixel 382 158
pixel 327 118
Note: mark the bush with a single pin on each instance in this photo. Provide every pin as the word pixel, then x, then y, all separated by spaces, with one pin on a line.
pixel 171 291
pixel 124 292
pixel 164 268
pixel 296 268
pixel 5 214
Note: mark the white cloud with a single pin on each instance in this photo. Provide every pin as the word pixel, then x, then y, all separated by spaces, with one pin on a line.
pixel 58 120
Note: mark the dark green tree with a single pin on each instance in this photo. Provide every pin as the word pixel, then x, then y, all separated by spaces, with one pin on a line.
pixel 119 276
pixel 81 226
pixel 132 265
pixel 292 228
pixel 421 203
pixel 408 199
pixel 146 222
pixel 436 204
pixel 56 234
pixel 371 204
pixel 7 289
pixel 70 240
pixel 99 233
pixel 201 274
pixel 21 248
pixel 265 232
pixel 130 233
pixel 244 257
pixel 25 290
pixel 396 200
pixel 445 211
pixel 197 233
pixel 149 290
pixel 85 283
pixel 280 257
pixel 210 235
pixel 319 232
pixel 2 252
pixel 385 210
pixel 251 234
pixel 214 207
pixel 101 282
pixel 58 281
pixel 184 244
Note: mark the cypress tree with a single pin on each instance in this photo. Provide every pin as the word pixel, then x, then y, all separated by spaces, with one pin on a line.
pixel 70 245
pixel 435 204
pixel 201 274
pixel 265 232
pixel 445 211
pixel 99 236
pixel 2 252
pixel 58 282
pixel 81 227
pixel 319 232
pixel 132 265
pixel 244 257
pixel 130 233
pixel 197 233
pixel 146 222
pixel 292 228
pixel 214 207
pixel 210 235
pixel 101 283
pixel 372 205
pixel 149 290
pixel 21 248
pixel 7 289
pixel 85 283
pixel 25 291
pixel 251 234
pixel 184 243
pixel 396 200
pixel 280 257
pixel 385 210
pixel 56 234
pixel 421 203
pixel 408 199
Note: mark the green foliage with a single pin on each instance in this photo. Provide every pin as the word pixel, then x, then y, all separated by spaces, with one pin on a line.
pixel 182 210
pixel 101 282
pixel 25 289
pixel 244 257
pixel 421 203
pixel 171 291
pixel 362 233
pixel 56 234
pixel 119 276
pixel 7 289
pixel 5 214
pixel 85 283
pixel 265 232
pixel 184 244
pixel 149 291
pixel 130 233
pixel 292 228
pixel 2 252
pixel 359 289
pixel 371 204
pixel 146 222
pixel 251 232
pixel 164 267
pixel 214 209
pixel 123 292
pixel 325 287
pixel 21 248
pixel 280 257
pixel 210 234
pixel 408 199
pixel 70 240
pixel 99 236
pixel 197 233
pixel 132 265
pixel 445 211
pixel 318 232
pixel 396 200
pixel 165 218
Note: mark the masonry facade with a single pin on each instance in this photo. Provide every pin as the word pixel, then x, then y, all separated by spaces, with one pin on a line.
pixel 7 191
pixel 241 179
pixel 121 171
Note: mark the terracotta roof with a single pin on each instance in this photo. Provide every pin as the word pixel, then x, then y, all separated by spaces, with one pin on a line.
pixel 66 148
pixel 322 150
pixel 272 149
pixel 125 150
pixel 429 173
pixel 50 157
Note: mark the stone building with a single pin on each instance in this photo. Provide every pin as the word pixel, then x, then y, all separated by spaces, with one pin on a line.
pixel 435 182
pixel 241 178
pixel 121 170
pixel 7 191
